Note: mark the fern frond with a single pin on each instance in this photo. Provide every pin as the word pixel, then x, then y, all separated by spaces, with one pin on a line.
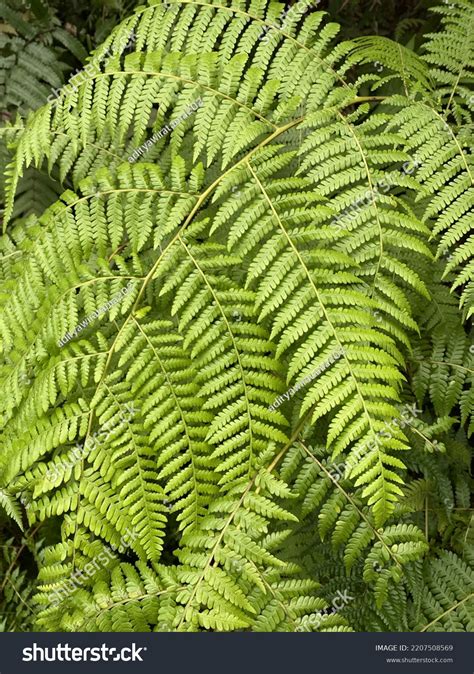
pixel 31 69
pixel 450 54
pixel 447 599
pixel 11 507
pixel 206 339
pixel 326 494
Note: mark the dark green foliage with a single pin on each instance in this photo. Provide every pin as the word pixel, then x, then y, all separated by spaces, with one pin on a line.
pixel 36 53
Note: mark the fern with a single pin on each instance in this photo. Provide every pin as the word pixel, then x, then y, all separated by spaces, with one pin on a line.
pixel 11 507
pixel 18 585
pixel 272 247
pixel 435 120
pixel 30 67
pixel 447 600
